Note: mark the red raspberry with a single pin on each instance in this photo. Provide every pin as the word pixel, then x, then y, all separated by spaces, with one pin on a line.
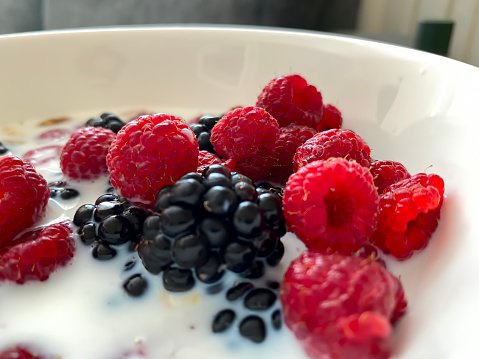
pixel 290 138
pixel 290 99
pixel 246 137
pixel 37 253
pixel 24 196
pixel 149 153
pixel 333 143
pixel 385 173
pixel 19 352
pixel 205 159
pixel 84 155
pixel 409 213
pixel 331 205
pixel 331 119
pixel 341 307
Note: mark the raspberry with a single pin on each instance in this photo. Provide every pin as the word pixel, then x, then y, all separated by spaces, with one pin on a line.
pixel 290 138
pixel 205 159
pixel 18 352
pixel 331 205
pixel 149 153
pixel 333 143
pixel 37 253
pixel 331 119
pixel 84 155
pixel 290 99
pixel 246 137
pixel 341 307
pixel 409 213
pixel 385 173
pixel 24 196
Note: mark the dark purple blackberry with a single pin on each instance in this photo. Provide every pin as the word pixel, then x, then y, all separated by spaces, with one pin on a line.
pixel 209 121
pixel 187 192
pixel 238 290
pixel 272 208
pixel 84 214
pixel 248 220
pixel 245 191
pixel 220 201
pixel 155 253
pixel 4 150
pixel 135 285
pixel 178 279
pixel 239 255
pixel 253 328
pixel 129 265
pixel 266 242
pixel 202 131
pixel 211 271
pixel 106 120
pixel 112 220
pixel 103 252
pixel 88 233
pixel 116 229
pixel 276 319
pixel 255 271
pixel 105 209
pixel 274 258
pixel 223 320
pixel 260 299
pixel 217 232
pixel 206 224
pixel 190 251
pixel 59 190
pixel 177 220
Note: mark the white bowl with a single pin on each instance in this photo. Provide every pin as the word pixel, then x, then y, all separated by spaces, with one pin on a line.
pixel 413 107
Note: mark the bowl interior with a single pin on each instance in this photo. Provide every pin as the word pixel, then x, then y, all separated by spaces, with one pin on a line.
pixel 409 106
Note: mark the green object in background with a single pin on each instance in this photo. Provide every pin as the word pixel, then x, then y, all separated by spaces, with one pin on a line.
pixel 434 36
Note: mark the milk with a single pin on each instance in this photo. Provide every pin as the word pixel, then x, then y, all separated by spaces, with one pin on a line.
pixel 82 311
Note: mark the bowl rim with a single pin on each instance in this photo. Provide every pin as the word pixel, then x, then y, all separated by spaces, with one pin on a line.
pixel 244 29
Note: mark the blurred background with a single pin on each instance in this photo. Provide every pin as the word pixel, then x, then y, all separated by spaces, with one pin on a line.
pixel 446 27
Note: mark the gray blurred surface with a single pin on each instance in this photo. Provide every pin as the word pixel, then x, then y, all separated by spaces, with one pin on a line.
pixel 20 16
pixel 28 15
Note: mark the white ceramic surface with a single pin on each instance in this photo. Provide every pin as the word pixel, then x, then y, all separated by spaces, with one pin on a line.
pixel 409 106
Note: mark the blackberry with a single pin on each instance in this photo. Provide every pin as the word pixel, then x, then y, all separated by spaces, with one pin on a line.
pixel 135 285
pixel 178 279
pixel 3 150
pixel 260 299
pixel 207 224
pixel 223 320
pixel 59 189
pixel 88 233
pixel 112 220
pixel 202 131
pixel 276 319
pixel 106 120
pixel 253 328
pixel 238 290
pixel 103 252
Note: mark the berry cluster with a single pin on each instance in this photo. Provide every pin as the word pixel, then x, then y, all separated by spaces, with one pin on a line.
pixel 202 131
pixel 110 221
pixel 60 190
pixel 207 223
pixel 255 299
pixel 106 120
